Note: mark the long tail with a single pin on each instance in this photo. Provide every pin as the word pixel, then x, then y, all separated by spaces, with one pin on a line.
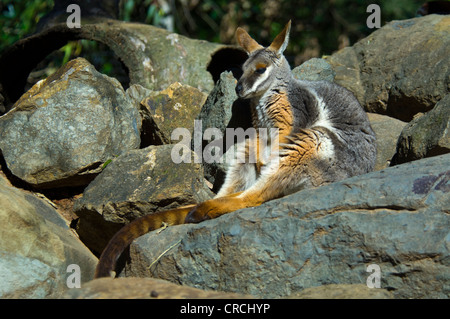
pixel 107 262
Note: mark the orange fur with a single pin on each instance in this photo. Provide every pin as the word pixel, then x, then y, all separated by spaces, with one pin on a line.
pixel 246 41
pixel 281 114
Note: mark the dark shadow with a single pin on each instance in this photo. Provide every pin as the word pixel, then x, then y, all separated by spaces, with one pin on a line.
pixel 19 60
pixel 227 59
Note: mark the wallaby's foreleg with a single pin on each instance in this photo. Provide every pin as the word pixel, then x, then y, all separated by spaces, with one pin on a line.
pixel 242 172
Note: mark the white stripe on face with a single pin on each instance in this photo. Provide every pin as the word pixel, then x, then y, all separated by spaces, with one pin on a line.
pixel 261 79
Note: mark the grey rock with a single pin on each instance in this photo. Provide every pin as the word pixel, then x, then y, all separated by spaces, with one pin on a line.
pixel 387 131
pixel 315 70
pixel 399 70
pixel 36 248
pixel 396 218
pixel 137 93
pixel 62 130
pixel 428 135
pixel 135 184
pixel 217 110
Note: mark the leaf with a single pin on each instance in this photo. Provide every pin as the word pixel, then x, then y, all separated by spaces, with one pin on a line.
pixel 106 164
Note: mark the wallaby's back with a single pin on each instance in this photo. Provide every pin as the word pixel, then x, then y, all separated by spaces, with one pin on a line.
pixel 329 106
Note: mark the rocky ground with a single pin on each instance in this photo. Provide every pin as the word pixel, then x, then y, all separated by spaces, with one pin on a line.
pixel 81 156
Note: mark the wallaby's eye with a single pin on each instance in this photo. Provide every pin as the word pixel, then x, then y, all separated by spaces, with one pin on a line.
pixel 260 70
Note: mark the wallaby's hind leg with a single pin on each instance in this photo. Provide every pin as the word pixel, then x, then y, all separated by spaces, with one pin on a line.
pixel 294 170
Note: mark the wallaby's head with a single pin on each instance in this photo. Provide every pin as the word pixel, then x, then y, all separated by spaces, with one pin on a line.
pixel 264 65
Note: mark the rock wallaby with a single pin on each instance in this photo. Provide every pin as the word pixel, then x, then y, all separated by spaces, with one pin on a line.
pixel 323 135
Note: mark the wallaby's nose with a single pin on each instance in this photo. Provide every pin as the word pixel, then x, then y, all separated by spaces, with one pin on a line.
pixel 238 89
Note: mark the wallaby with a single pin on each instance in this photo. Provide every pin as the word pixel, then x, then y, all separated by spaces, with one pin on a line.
pixel 323 136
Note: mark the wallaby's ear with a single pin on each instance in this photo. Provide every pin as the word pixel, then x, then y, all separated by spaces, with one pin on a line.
pixel 281 41
pixel 246 41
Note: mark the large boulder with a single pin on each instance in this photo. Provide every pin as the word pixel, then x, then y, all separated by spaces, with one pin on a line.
pixel 399 70
pixel 135 184
pixel 65 127
pixel 37 247
pixel 396 218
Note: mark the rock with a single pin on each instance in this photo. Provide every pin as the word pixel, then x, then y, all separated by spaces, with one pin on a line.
pixel 175 107
pixel 217 110
pixel 399 70
pixel 137 93
pixel 143 288
pixel 135 184
pixel 342 291
pixel 62 130
pixel 428 135
pixel 36 247
pixel 314 70
pixel 396 218
pixel 387 130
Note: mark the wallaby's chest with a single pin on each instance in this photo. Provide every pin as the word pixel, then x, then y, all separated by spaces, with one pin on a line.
pixel 273 110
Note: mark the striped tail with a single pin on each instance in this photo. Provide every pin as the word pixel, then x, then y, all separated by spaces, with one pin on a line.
pixel 123 238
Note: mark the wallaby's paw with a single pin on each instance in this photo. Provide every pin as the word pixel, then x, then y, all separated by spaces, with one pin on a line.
pixel 200 213
pixel 212 209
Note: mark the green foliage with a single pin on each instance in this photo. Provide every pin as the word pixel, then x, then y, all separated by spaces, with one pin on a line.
pixel 106 164
pixel 145 11
pixel 18 18
pixel 319 27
